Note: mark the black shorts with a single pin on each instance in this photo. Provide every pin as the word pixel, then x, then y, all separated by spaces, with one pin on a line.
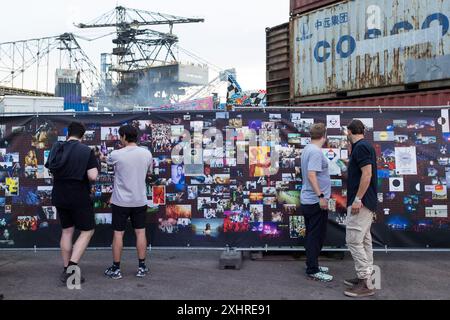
pixel 120 216
pixel 81 219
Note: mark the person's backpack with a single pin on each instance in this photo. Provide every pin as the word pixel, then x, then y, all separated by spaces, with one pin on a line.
pixel 61 154
pixel 55 159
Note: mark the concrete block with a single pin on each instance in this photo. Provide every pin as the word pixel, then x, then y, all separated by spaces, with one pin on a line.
pixel 231 260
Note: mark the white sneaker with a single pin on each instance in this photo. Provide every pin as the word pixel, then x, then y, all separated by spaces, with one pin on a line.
pixel 324 269
pixel 320 276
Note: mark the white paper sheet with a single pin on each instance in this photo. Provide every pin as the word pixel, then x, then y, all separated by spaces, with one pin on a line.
pixel 406 161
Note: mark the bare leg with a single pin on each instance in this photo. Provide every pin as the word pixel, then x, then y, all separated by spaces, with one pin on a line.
pixel 141 243
pixel 80 245
pixel 66 245
pixel 117 246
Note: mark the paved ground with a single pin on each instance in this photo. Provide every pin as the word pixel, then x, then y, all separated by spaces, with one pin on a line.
pixel 196 276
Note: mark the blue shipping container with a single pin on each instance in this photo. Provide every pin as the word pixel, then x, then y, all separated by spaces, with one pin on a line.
pixel 71 92
pixel 78 107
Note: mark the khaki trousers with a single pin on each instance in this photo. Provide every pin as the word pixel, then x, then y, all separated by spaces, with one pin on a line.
pixel 359 241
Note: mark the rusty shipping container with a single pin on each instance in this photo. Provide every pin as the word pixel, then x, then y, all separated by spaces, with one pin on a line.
pixel 303 6
pixel 357 48
pixel 278 65
pixel 430 98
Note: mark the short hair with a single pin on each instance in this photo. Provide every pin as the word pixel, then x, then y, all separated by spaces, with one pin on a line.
pixel 76 130
pixel 130 133
pixel 318 131
pixel 357 127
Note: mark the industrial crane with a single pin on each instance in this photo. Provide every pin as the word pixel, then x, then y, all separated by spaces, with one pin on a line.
pixel 142 69
pixel 139 48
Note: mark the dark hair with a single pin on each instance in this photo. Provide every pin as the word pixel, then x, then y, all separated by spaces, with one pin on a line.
pixel 130 133
pixel 318 131
pixel 76 130
pixel 356 127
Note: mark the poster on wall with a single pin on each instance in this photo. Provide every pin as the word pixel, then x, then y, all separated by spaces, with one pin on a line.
pixel 333 156
pixel 396 185
pixel 406 161
pixel 444 121
pixel 334 122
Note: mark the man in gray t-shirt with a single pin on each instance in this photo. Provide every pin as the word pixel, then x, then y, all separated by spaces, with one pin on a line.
pixel 316 192
pixel 132 165
pixel 313 160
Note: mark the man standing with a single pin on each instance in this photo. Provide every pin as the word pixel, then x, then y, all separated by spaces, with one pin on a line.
pixel 316 192
pixel 362 205
pixel 132 165
pixel 73 165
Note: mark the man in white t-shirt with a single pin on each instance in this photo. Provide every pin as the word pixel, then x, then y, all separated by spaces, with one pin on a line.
pixel 132 165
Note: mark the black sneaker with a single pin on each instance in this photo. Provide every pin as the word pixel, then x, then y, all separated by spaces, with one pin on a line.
pixel 142 272
pixel 113 273
pixel 1 297
pixel 65 276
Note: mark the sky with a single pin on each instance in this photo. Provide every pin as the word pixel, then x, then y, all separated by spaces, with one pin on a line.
pixel 233 35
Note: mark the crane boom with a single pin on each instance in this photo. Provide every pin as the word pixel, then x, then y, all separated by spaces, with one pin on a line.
pixel 122 17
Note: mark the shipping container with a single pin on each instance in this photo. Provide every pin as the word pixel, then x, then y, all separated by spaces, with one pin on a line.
pixel 417 99
pixel 357 48
pixel 278 65
pixel 303 6
pixel 71 92
pixel 24 104
pixel 77 107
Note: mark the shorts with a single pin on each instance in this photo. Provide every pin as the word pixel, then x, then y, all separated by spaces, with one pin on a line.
pixel 120 216
pixel 82 219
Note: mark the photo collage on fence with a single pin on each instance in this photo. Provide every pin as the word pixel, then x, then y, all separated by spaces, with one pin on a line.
pixel 216 193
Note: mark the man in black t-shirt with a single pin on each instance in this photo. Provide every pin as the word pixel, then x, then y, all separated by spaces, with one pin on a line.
pixel 362 205
pixel 73 166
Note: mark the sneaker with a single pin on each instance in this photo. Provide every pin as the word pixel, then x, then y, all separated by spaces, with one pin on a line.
pixel 351 282
pixel 65 276
pixel 142 272
pixel 354 282
pixel 323 269
pixel 113 273
pixel 320 276
pixel 360 290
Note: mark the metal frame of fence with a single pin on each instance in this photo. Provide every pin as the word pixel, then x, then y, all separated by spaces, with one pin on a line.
pixel 227 249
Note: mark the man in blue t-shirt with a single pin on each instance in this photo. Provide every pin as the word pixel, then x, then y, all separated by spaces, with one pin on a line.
pixel 362 205
pixel 316 192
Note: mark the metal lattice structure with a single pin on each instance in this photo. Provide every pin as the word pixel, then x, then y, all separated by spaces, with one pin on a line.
pixel 137 47
pixel 143 66
pixel 34 59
